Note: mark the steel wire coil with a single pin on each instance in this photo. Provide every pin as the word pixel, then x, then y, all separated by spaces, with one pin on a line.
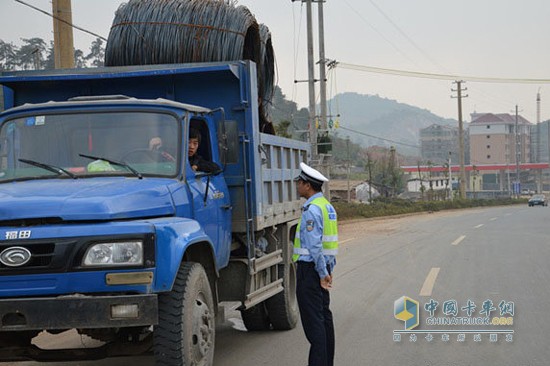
pixel 148 32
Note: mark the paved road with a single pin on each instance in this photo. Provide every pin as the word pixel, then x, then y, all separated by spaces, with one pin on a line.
pixel 497 254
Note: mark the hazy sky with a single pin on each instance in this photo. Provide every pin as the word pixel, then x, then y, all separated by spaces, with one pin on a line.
pixel 482 38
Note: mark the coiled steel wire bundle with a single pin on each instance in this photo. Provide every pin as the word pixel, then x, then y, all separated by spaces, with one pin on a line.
pixel 148 32
pixel 267 71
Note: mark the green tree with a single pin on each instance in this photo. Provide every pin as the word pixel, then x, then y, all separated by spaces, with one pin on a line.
pixel 282 129
pixel 387 176
pixel 31 54
pixel 97 53
pixel 79 59
pixel 286 110
pixel 7 56
pixel 49 63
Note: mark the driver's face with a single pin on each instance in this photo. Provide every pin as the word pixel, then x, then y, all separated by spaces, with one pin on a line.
pixel 193 146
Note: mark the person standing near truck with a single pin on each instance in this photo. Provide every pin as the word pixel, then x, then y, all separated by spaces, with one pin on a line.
pixel 315 248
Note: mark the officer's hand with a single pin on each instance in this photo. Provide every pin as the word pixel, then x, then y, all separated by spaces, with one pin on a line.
pixel 326 282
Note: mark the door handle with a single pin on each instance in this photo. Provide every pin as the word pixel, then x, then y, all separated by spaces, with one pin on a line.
pixel 226 207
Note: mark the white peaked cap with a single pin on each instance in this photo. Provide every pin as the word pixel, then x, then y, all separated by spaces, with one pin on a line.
pixel 311 175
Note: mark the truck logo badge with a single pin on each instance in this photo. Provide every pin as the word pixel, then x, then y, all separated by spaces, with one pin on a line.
pixel 15 256
pixel 22 234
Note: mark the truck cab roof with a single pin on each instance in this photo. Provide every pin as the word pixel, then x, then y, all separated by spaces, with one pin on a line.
pixel 114 100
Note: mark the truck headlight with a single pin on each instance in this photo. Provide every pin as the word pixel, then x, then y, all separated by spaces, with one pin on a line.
pixel 127 253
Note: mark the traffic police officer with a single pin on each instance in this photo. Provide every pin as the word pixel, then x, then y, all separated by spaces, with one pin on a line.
pixel 315 247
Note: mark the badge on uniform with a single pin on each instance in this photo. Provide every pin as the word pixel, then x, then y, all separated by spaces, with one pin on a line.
pixel 309 225
pixel 331 212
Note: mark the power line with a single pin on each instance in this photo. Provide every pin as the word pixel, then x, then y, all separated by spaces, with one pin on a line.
pixel 426 75
pixel 61 20
pixel 405 35
pixel 379 138
pixel 380 33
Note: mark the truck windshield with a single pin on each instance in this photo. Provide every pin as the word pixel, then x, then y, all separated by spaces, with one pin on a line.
pixel 146 142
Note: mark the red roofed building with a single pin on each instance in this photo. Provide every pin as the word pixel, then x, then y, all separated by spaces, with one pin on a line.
pixel 493 139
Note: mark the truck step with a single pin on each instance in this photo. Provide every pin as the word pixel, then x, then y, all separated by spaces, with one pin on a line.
pixel 262 294
pixel 268 260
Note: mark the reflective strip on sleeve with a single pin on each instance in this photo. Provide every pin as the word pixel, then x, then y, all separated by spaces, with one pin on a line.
pixel 329 238
pixel 303 251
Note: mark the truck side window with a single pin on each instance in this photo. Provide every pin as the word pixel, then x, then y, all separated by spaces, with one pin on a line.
pixel 200 148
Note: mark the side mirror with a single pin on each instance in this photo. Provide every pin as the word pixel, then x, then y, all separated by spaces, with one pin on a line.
pixel 200 174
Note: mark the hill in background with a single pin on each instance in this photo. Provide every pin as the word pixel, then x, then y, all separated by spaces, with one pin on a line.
pixel 384 118
pixel 361 115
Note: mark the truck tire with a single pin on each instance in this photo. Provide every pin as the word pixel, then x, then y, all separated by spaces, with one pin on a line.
pixel 282 308
pixel 186 330
pixel 255 319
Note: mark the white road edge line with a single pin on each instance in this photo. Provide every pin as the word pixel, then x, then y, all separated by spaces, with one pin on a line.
pixel 493 218
pixel 457 241
pixel 478 226
pixel 428 286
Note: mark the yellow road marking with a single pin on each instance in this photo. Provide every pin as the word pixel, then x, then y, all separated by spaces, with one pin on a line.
pixel 457 241
pixel 428 286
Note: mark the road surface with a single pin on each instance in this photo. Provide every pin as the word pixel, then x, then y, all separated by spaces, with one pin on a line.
pixel 498 254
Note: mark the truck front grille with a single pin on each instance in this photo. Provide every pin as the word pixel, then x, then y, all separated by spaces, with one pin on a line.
pixel 44 256
pixel 56 255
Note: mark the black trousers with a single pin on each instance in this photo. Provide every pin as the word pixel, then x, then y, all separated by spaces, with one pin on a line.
pixel 314 302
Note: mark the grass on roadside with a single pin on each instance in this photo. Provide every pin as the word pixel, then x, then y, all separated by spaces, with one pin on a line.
pixel 389 207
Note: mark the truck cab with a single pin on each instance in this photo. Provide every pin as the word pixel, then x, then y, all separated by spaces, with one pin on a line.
pixel 105 227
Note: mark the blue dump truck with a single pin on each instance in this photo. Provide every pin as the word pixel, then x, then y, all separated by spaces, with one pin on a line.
pixel 107 229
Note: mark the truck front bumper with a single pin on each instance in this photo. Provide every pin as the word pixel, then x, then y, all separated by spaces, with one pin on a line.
pixel 78 311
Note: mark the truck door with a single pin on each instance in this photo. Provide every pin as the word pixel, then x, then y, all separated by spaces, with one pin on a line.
pixel 211 204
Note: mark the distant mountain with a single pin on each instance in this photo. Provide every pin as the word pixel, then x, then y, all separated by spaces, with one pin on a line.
pixel 384 118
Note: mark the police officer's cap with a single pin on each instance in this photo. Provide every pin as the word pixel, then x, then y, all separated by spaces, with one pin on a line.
pixel 308 174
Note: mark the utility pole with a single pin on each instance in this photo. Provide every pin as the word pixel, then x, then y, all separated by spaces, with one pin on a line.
pixel 311 82
pixel 322 68
pixel 538 150
pixel 518 156
pixel 369 167
pixel 323 92
pixel 548 142
pixel 462 177
pixel 391 168
pixel 63 34
pixel 347 164
pixel 311 74
pixel 316 158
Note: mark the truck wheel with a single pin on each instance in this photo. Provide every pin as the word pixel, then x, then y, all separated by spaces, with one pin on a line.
pixel 255 319
pixel 186 330
pixel 283 307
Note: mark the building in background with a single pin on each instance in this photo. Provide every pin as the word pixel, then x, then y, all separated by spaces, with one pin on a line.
pixel 436 141
pixel 539 142
pixel 493 140
pixel 540 149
